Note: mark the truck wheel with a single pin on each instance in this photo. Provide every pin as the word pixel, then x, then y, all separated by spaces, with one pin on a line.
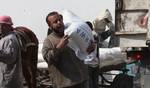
pixel 122 81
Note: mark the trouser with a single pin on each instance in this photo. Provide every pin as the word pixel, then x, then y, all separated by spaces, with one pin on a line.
pixel 81 85
pixel 93 77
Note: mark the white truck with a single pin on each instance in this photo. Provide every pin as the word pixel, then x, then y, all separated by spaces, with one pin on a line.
pixel 133 29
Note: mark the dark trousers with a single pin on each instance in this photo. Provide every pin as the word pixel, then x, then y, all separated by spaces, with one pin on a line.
pixel 93 77
pixel 81 85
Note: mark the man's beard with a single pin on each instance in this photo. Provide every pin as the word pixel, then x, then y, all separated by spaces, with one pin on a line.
pixel 60 30
pixel 60 33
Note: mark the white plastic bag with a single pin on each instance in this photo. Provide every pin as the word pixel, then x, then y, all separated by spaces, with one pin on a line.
pixel 80 35
pixel 111 56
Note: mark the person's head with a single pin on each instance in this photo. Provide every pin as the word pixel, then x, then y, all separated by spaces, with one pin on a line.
pixel 5 24
pixel 102 21
pixel 105 15
pixel 55 22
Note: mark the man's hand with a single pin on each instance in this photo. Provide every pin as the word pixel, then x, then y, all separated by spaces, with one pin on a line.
pixel 91 47
pixel 144 20
pixel 63 42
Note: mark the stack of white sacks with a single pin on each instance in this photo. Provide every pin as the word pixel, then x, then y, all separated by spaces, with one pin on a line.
pixel 41 62
pixel 111 56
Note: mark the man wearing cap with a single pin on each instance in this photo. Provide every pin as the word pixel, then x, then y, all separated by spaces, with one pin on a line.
pixel 10 57
pixel 99 25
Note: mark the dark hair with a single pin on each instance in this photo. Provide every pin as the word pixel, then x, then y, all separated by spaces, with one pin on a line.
pixel 51 14
pixel 89 24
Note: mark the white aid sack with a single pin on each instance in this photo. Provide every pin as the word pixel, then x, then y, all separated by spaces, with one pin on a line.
pixel 40 57
pixel 80 34
pixel 111 56
pixel 41 62
pixel 42 65
pixel 80 38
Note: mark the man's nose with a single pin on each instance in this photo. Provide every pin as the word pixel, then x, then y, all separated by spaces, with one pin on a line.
pixel 59 22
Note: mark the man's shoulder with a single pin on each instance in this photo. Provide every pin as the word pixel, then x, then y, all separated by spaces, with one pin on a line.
pixel 11 37
pixel 51 36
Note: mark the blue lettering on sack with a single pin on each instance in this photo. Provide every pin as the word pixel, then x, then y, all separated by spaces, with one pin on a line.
pixel 78 30
pixel 87 39
pixel 83 35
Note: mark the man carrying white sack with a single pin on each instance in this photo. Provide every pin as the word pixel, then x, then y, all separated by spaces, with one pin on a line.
pixel 65 68
pixel 99 25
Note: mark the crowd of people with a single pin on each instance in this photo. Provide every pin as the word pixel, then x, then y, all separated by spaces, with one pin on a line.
pixel 65 69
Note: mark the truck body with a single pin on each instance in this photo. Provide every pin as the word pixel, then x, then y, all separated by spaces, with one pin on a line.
pixel 129 16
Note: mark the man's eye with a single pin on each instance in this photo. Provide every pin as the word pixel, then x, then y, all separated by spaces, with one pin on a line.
pixel 55 21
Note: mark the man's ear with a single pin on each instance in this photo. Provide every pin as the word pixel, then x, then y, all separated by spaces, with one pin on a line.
pixel 49 24
pixel 61 16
